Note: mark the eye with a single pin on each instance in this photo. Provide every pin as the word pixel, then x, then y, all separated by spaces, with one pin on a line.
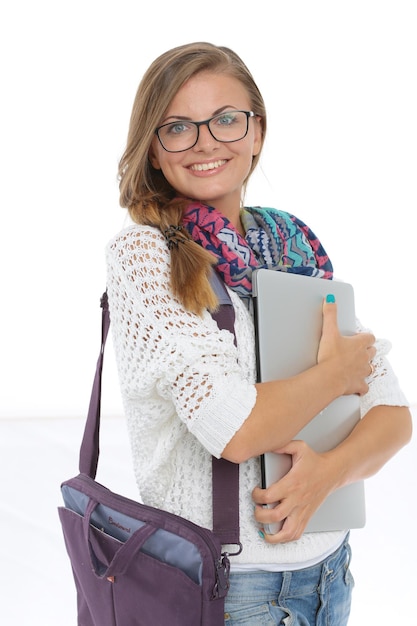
pixel 177 128
pixel 226 119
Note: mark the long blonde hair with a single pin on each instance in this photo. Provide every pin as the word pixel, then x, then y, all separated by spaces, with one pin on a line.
pixel 144 190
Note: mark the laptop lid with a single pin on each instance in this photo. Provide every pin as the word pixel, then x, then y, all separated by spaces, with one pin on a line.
pixel 288 323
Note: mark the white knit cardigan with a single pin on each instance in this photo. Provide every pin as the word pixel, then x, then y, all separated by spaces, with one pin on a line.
pixel 186 390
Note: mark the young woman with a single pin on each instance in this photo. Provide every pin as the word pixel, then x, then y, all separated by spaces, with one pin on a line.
pixel 196 133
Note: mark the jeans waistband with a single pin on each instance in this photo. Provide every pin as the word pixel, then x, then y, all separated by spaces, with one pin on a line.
pixel 249 585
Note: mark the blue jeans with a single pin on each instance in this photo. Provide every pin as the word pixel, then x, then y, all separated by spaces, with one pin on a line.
pixel 316 596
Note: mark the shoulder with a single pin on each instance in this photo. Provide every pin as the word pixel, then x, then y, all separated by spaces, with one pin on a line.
pixel 136 236
pixel 138 251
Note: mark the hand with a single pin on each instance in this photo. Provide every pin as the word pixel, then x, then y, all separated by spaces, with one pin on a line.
pixel 299 493
pixel 351 356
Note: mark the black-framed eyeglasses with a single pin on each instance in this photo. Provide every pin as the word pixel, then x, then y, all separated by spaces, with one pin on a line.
pixel 225 127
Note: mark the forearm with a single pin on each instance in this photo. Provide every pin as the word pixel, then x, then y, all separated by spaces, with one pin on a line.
pixel 377 437
pixel 282 409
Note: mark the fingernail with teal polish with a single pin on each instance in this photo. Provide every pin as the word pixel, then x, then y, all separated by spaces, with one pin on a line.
pixel 330 298
pixel 261 534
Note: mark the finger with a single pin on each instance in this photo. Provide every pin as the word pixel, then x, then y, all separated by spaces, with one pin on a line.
pixel 293 447
pixel 265 496
pixel 259 496
pixel 291 530
pixel 277 512
pixel 363 390
pixel 269 513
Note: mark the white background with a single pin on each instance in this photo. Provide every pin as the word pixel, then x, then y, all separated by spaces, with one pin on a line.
pixel 339 80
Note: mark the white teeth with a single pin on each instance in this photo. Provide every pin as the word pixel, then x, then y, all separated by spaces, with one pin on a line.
pixel 201 167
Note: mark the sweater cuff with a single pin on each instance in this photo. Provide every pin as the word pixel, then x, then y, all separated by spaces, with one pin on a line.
pixel 383 390
pixel 220 419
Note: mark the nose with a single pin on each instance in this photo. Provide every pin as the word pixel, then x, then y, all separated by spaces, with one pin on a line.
pixel 205 140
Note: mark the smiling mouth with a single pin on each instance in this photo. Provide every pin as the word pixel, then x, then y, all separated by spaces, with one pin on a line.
pixel 202 167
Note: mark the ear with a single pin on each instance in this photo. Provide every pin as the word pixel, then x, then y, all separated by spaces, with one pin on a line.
pixel 257 139
pixel 153 158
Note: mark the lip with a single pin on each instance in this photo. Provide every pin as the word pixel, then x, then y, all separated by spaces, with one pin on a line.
pixel 207 167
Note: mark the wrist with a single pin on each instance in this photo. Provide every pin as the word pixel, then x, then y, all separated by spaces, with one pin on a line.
pixel 335 376
pixel 337 468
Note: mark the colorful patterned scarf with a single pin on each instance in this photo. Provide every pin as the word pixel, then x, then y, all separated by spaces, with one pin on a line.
pixel 274 239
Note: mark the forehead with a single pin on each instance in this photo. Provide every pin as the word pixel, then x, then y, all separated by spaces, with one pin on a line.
pixel 206 93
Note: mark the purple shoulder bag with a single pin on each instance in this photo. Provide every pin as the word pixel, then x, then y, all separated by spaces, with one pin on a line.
pixel 135 565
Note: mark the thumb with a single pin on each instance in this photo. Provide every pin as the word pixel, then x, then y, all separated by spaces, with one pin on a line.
pixel 329 315
pixel 330 329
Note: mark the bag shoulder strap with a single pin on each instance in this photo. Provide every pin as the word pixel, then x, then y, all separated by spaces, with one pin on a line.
pixel 225 475
pixel 90 445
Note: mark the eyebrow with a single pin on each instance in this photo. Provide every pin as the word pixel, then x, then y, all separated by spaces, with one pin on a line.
pixel 188 119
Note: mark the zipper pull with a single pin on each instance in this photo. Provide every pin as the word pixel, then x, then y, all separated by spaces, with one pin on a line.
pixel 222 577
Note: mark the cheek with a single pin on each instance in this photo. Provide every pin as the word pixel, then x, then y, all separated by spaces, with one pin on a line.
pixel 170 169
pixel 175 178
pixel 165 161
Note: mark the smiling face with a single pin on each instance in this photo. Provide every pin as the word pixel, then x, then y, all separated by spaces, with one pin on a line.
pixel 211 172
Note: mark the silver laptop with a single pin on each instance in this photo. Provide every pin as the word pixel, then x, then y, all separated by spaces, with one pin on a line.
pixel 288 322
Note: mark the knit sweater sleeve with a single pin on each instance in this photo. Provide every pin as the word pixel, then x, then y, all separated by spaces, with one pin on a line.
pixel 171 362
pixel 384 388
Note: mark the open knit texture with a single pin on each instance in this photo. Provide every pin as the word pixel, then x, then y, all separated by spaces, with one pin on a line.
pixel 186 389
